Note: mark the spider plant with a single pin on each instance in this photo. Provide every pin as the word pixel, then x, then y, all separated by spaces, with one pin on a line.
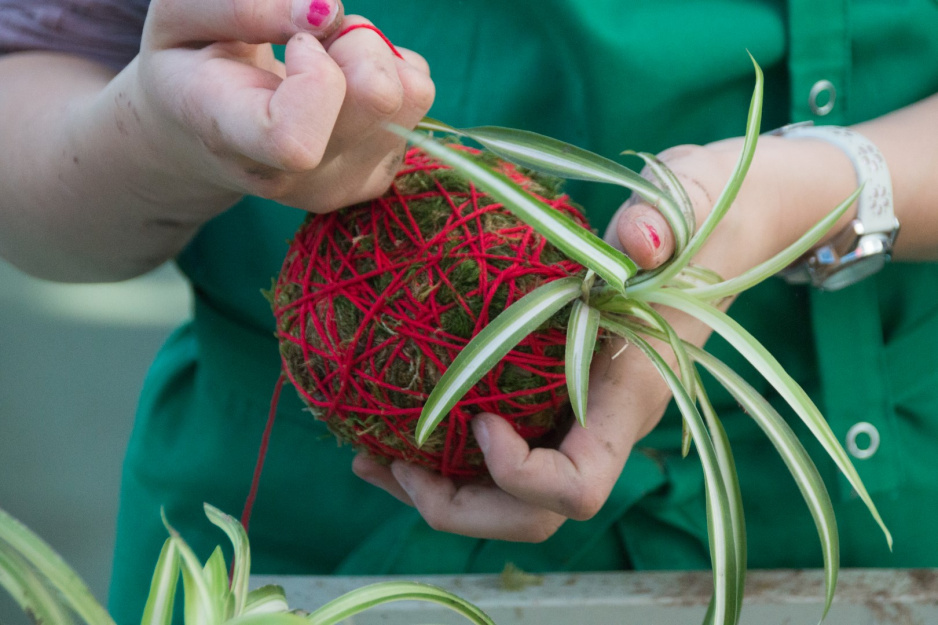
pixel 617 297
pixel 51 593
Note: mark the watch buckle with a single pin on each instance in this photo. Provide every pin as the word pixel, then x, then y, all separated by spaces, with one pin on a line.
pixel 848 257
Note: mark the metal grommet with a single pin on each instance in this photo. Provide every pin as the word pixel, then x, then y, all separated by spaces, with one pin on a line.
pixel 853 433
pixel 821 87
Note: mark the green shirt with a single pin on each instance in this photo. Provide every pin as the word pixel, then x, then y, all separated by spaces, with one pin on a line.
pixel 609 75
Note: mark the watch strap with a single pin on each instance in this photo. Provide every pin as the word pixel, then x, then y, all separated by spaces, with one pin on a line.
pixel 875 204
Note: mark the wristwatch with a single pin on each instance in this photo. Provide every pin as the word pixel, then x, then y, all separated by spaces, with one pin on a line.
pixel 865 245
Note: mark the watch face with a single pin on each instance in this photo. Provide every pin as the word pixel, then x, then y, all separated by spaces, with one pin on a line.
pixel 848 257
pixel 852 272
pixel 831 271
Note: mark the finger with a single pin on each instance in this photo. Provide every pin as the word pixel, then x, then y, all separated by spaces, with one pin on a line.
pixel 643 234
pixel 377 151
pixel 365 467
pixel 575 479
pixel 415 60
pixel 474 510
pixel 174 23
pixel 384 85
pixel 307 104
pixel 381 87
pixel 282 124
pixel 572 481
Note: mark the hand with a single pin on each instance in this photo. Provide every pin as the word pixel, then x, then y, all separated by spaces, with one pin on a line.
pixel 223 115
pixel 789 187
pixel 203 115
pixel 536 490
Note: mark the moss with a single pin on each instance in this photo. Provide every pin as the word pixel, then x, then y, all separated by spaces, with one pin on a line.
pixel 395 368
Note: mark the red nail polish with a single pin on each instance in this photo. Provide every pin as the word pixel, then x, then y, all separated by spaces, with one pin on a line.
pixel 653 236
pixel 319 11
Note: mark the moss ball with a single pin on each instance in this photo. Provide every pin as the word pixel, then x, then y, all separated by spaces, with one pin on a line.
pixel 374 301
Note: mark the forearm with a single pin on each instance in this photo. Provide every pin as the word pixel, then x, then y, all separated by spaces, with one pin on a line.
pixel 83 200
pixel 793 182
pixel 908 138
pixel 814 176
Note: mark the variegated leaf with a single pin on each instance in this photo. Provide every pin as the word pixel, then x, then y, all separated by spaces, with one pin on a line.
pixel 582 332
pixel 576 242
pixel 490 345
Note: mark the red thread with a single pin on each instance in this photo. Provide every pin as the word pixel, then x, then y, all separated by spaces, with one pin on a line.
pixel 374 28
pixel 324 269
pixel 262 454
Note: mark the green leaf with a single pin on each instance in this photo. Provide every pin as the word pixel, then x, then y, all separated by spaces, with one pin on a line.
pixel 370 596
pixel 686 439
pixel 575 241
pixel 582 331
pixel 553 157
pixel 655 281
pixel 28 589
pixel 51 567
pixel 216 579
pixel 792 452
pixel 724 455
pixel 641 310
pixel 772 371
pixel 490 345
pixel 200 606
pixel 757 274
pixel 241 566
pixel 693 276
pixel 558 158
pixel 428 124
pixel 162 597
pixel 720 525
pixel 265 600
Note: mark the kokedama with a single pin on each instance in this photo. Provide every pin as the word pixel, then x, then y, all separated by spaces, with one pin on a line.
pixel 375 301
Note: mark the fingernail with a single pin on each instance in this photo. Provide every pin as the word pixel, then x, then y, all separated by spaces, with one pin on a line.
pixel 652 235
pixel 481 431
pixel 319 14
pixel 402 473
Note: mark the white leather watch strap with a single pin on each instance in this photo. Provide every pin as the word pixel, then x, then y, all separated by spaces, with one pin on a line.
pixel 875 205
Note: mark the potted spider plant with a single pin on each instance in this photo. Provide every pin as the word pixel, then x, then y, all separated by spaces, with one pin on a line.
pixel 51 593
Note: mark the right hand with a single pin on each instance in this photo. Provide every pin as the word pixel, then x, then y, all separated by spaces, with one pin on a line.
pixel 223 118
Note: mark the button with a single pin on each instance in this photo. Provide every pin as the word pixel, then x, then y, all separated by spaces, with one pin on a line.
pixel 822 97
pixel 866 434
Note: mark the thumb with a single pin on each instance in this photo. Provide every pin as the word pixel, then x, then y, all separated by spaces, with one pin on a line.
pixel 172 23
pixel 642 233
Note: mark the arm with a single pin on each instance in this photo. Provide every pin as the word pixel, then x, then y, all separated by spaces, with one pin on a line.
pixel 108 175
pixel 790 186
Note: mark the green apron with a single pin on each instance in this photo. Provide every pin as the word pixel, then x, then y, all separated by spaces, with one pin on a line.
pixel 609 75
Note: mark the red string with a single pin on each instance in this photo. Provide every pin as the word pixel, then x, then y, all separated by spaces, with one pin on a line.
pixel 262 454
pixel 374 28
pixel 335 259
